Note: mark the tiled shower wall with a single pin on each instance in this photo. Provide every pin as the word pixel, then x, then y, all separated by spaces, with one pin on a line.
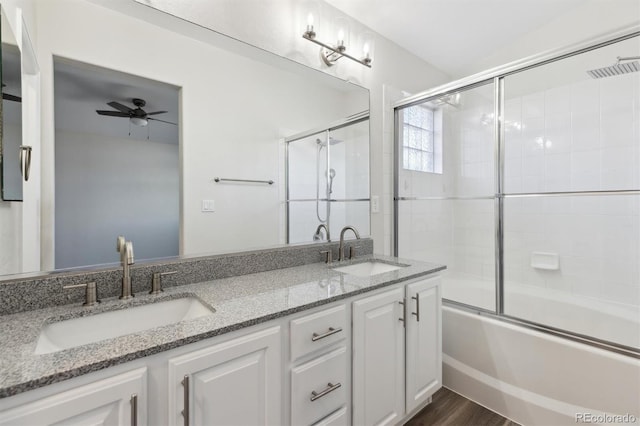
pixel 457 232
pixel 583 136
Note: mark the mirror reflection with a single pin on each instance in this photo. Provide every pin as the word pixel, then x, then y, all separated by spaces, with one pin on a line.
pixel 232 111
pixel 11 141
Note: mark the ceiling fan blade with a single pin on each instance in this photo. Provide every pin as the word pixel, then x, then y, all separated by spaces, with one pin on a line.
pixel 120 107
pixel 112 113
pixel 168 122
pixel 157 112
pixel 9 97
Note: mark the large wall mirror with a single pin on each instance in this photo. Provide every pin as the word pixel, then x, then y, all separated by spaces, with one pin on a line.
pixel 11 159
pixel 213 175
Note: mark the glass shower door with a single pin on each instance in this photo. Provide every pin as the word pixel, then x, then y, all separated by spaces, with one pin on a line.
pixel 446 188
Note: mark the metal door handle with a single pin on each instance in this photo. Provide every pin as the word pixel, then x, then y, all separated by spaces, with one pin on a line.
pixel 185 411
pixel 25 161
pixel 417 312
pixel 330 388
pixel 404 312
pixel 134 409
pixel 331 331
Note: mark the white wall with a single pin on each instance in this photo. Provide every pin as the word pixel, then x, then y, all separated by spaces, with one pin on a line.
pixel 277 26
pixel 107 187
pixel 589 20
pixel 219 90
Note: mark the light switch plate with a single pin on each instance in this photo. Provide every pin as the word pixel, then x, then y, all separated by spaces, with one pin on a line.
pixel 208 206
pixel 375 204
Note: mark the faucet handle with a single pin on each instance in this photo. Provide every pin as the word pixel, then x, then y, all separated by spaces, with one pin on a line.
pixel 329 256
pixel 91 293
pixel 156 281
pixel 352 252
pixel 120 242
pixel 129 252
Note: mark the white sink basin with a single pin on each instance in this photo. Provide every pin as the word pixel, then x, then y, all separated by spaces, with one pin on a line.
pixel 367 269
pixel 94 328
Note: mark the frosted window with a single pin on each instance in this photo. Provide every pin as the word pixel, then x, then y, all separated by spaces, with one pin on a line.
pixel 418 139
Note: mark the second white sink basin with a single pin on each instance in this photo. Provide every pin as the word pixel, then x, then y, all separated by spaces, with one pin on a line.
pixel 94 328
pixel 367 269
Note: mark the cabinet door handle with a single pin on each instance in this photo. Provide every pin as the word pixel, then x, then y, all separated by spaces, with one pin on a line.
pixel 25 161
pixel 134 409
pixel 417 312
pixel 330 388
pixel 404 312
pixel 331 331
pixel 185 411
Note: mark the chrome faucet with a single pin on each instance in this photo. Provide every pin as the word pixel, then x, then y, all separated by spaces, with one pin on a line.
pixel 317 236
pixel 125 248
pixel 345 229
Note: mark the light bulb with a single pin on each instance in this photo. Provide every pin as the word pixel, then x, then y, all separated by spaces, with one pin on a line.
pixel 365 49
pixel 341 38
pixel 310 33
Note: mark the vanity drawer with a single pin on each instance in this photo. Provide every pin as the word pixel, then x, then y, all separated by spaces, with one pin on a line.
pixel 324 380
pixel 339 418
pixel 318 330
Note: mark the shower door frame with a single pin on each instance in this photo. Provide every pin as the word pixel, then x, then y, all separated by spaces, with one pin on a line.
pixel 496 77
pixel 352 119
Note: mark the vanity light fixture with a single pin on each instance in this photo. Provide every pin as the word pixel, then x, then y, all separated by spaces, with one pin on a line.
pixel 331 54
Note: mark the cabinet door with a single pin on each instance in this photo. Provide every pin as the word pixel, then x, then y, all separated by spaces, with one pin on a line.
pixel 237 382
pixel 117 400
pixel 378 359
pixel 424 341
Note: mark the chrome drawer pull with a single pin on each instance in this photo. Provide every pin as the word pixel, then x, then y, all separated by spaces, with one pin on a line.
pixel 331 331
pixel 417 312
pixel 185 411
pixel 134 409
pixel 330 388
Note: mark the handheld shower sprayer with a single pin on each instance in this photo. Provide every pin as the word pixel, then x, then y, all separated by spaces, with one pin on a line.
pixel 331 174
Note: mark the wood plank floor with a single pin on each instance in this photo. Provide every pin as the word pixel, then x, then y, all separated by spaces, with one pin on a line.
pixel 450 409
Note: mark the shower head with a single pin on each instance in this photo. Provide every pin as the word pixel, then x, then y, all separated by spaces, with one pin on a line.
pixel 332 141
pixel 617 68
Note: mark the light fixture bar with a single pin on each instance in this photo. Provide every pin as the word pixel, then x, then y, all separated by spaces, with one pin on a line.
pixel 340 50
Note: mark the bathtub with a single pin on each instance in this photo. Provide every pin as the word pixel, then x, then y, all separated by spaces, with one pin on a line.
pixel 608 321
pixel 535 378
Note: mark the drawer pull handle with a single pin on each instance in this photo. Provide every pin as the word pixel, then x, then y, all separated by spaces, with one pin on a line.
pixel 331 331
pixel 417 312
pixel 330 388
pixel 185 411
pixel 134 409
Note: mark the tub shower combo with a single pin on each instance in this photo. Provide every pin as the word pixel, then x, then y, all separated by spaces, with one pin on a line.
pixel 327 176
pixel 525 181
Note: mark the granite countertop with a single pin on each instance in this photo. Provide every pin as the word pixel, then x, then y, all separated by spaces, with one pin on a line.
pixel 239 302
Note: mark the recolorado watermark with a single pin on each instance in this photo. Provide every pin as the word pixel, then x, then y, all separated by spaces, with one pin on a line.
pixel 601 418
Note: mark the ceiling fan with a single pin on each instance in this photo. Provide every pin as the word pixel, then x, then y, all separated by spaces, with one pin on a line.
pixel 136 116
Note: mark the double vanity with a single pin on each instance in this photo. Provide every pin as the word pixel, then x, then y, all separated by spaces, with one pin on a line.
pixel 352 342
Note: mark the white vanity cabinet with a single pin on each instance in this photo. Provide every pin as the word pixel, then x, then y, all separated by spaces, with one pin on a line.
pixel 370 359
pixel 117 400
pixel 320 367
pixel 237 382
pixel 397 346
